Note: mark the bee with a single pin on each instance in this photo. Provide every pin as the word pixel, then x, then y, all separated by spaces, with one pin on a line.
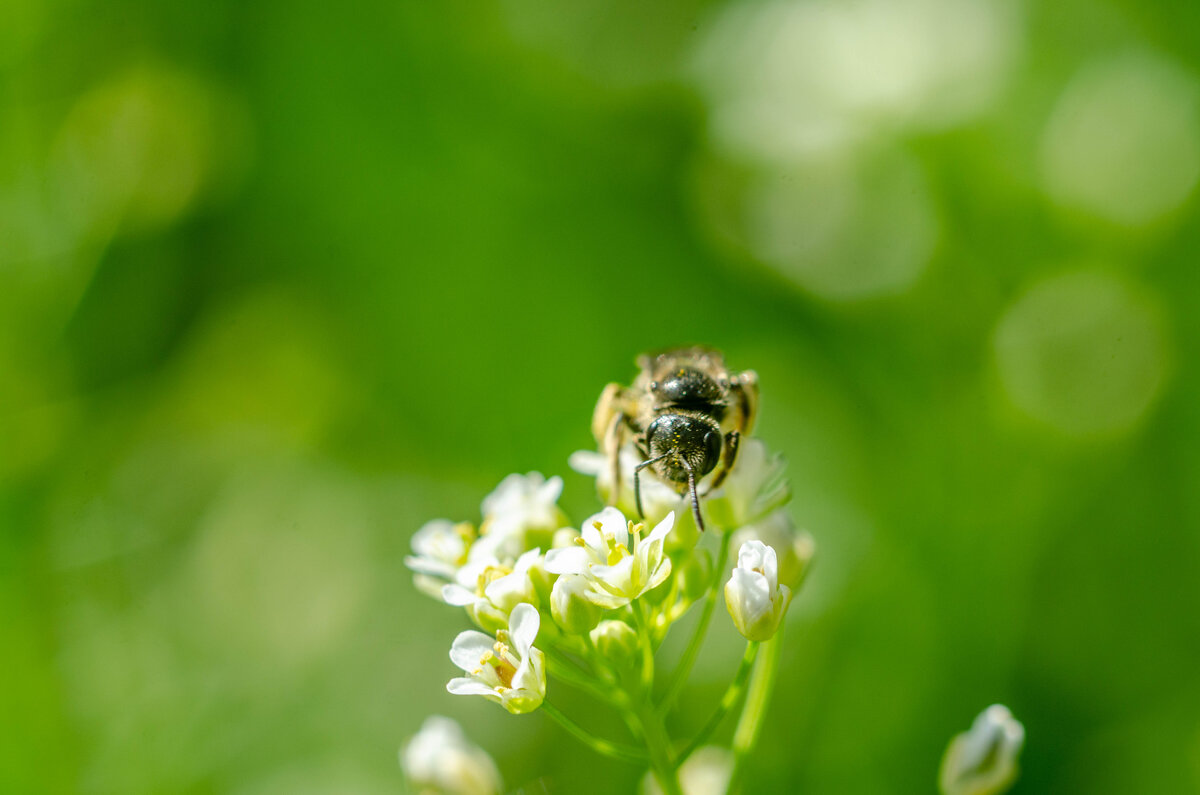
pixel 685 412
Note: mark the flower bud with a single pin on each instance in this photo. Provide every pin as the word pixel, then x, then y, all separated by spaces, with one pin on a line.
pixel 753 595
pixel 571 608
pixel 794 548
pixel 694 574
pixel 617 643
pixel 441 759
pixel 983 760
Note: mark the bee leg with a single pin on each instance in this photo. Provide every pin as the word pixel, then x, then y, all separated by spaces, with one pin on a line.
pixel 727 459
pixel 606 428
pixel 637 484
pixel 744 388
pixel 611 444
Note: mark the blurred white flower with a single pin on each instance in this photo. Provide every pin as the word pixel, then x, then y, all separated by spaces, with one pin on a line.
pixel 440 759
pixel 439 550
pixel 753 595
pixel 754 488
pixel 983 760
pixel 521 504
pixel 706 772
pixel 794 548
pixel 620 565
pixel 658 499
pixel 506 669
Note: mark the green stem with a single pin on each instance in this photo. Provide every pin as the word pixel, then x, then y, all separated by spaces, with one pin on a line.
pixel 750 723
pixel 732 694
pixel 572 673
pixel 658 743
pixel 647 644
pixel 625 753
pixel 679 678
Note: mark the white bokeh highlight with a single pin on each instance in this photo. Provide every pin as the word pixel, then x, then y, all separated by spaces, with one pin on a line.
pixel 1123 141
pixel 786 78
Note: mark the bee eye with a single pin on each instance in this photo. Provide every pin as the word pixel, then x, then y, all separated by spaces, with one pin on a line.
pixel 653 386
pixel 712 450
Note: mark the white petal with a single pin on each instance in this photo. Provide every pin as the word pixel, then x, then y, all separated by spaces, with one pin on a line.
pixel 661 530
pixel 568 560
pixel 432 566
pixel 510 590
pixel 523 625
pixel 753 595
pixel 453 594
pixel 468 575
pixel 425 541
pixel 526 560
pixel 550 490
pixel 617 577
pixel 530 675
pixel 469 648
pixel 613 523
pixel 771 568
pixel 751 555
pixel 607 600
pixel 466 686
pixel 660 574
pixel 587 462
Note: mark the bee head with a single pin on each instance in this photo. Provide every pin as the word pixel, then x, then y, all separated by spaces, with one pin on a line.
pixel 684 442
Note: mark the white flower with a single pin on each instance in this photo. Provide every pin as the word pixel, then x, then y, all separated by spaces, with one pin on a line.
pixel 706 772
pixel 440 548
pixel 658 499
pixel 755 598
pixel 794 548
pixel 620 565
pixel 983 760
pixel 491 590
pixel 520 504
pixel 755 487
pixel 506 669
pixel 440 759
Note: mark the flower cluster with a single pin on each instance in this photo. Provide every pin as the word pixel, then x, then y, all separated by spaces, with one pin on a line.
pixel 589 604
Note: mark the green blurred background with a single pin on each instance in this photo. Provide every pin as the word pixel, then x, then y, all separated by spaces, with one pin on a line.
pixel 279 282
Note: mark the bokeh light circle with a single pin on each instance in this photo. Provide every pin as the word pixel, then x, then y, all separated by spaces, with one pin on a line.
pixel 1123 142
pixel 1082 352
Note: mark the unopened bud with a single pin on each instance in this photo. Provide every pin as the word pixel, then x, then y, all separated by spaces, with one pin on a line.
pixel 694 575
pixel 571 608
pixel 983 760
pixel 753 595
pixel 617 643
pixel 794 548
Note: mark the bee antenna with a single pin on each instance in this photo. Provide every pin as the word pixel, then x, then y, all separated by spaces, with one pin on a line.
pixel 637 485
pixel 695 496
